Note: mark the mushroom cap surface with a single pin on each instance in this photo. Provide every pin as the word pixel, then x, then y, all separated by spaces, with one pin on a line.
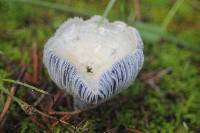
pixel 91 62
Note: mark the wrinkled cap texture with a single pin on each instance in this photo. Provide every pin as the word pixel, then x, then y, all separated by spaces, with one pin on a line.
pixel 93 63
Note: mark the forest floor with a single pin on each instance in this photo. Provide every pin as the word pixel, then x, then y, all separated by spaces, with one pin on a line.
pixel 164 98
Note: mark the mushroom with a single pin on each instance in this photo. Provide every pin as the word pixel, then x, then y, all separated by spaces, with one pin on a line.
pixel 91 62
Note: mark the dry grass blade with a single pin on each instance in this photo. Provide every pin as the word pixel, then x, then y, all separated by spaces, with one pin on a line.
pixel 9 98
pixel 26 85
pixel 30 110
pixel 65 113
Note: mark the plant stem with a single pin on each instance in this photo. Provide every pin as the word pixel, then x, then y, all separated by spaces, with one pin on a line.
pixel 171 14
pixel 106 11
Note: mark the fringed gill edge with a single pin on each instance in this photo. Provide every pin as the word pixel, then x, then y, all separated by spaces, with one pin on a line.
pixel 114 80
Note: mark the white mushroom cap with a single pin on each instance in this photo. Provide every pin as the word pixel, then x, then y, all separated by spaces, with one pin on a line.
pixel 94 63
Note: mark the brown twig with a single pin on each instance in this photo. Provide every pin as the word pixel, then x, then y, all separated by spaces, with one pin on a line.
pixel 10 98
pixel 54 100
pixel 1 131
pixel 48 107
pixel 42 96
pixel 31 111
pixel 64 118
pixel 152 78
pixel 137 8
pixel 132 130
pixel 35 55
pixel 35 121
pixel 36 63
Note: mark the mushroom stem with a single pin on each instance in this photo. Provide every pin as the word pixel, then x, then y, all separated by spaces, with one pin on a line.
pixel 79 104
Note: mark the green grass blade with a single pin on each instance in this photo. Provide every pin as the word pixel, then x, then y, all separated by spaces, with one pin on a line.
pixel 1 53
pixel 171 14
pixel 107 10
pixel 25 85
pixel 19 101
pixel 52 5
